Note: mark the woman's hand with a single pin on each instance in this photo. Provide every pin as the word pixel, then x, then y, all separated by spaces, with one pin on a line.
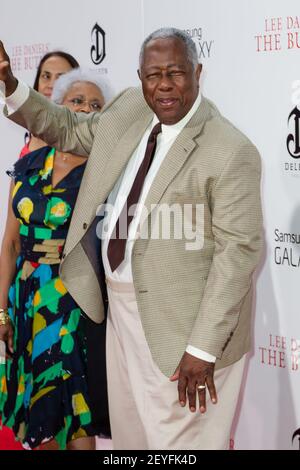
pixel 6 335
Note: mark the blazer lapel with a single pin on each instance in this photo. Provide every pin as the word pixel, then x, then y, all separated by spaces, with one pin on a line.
pixel 121 155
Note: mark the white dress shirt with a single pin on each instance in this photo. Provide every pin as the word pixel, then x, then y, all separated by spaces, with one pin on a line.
pixel 120 192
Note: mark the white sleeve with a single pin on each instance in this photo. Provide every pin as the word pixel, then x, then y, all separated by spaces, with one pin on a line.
pixel 200 354
pixel 16 99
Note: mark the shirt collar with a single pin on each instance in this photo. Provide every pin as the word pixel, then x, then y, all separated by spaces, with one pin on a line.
pixel 31 161
pixel 174 129
pixel 36 160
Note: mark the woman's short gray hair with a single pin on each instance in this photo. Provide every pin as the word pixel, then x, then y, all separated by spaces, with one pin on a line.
pixel 65 81
pixel 166 33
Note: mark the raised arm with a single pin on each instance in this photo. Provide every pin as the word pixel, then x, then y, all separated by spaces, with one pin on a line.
pixel 56 125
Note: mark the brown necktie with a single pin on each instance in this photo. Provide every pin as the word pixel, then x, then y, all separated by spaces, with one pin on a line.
pixel 116 245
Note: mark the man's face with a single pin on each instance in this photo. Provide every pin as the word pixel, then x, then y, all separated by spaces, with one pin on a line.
pixel 170 84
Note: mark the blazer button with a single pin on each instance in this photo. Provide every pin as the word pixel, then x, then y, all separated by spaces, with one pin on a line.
pixel 85 226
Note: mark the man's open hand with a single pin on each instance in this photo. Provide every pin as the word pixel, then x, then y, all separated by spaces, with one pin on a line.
pixel 6 74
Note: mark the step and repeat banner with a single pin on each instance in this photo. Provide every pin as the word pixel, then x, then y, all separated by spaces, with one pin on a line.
pixel 250 52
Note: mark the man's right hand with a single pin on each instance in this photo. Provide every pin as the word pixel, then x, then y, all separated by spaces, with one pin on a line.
pixel 6 74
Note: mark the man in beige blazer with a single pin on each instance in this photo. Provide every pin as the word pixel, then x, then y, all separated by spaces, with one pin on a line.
pixel 179 308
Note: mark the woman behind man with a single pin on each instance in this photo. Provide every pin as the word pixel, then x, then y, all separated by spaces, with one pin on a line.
pixel 46 391
pixel 51 67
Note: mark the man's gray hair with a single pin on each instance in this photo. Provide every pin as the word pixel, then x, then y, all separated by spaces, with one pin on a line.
pixel 65 81
pixel 166 33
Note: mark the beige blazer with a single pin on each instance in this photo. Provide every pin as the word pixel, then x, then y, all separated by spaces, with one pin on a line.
pixel 199 297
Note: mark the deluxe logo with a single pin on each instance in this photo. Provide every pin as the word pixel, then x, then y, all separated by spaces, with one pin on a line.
pixel 292 141
pixel 292 163
pixel 98 51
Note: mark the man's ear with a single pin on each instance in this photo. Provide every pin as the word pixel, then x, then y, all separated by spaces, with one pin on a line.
pixel 139 73
pixel 198 71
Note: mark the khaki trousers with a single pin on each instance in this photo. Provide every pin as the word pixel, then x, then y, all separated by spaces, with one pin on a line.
pixel 143 403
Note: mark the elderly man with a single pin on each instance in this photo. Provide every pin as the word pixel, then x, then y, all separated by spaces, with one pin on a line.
pixel 179 311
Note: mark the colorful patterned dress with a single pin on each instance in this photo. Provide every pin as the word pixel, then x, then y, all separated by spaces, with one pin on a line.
pixel 44 390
